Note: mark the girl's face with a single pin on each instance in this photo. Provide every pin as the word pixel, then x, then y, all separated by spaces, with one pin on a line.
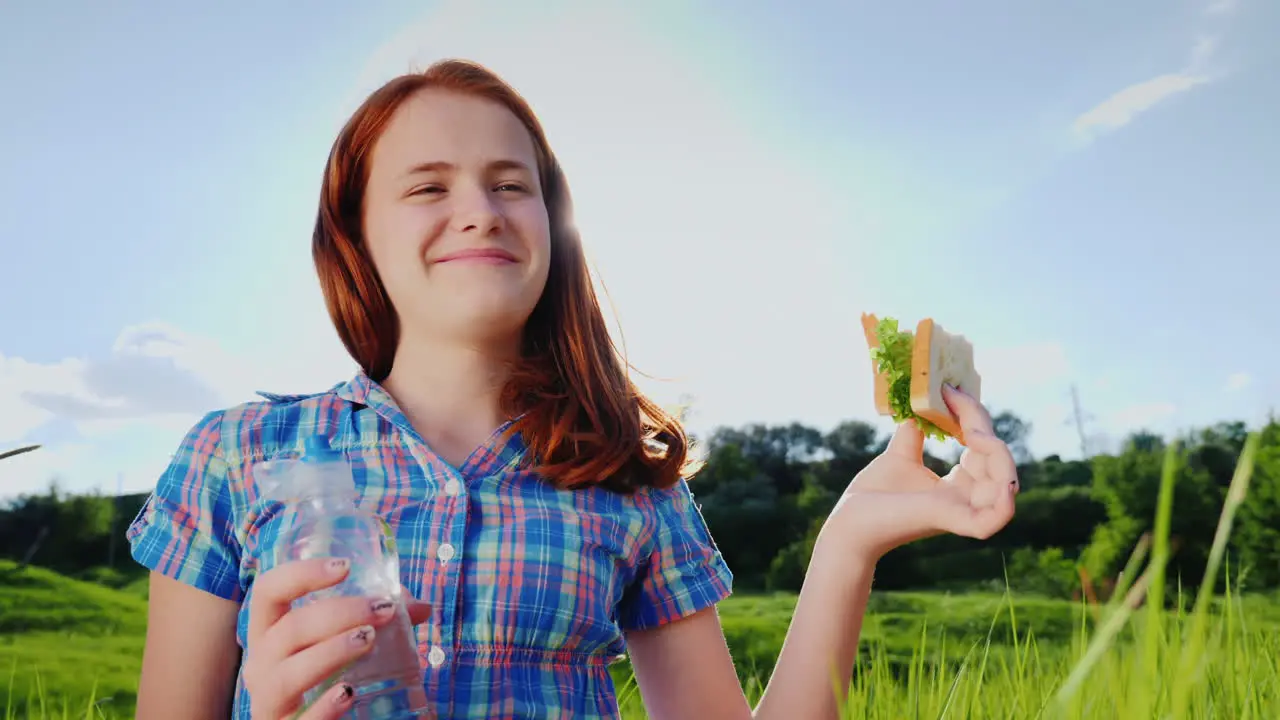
pixel 455 220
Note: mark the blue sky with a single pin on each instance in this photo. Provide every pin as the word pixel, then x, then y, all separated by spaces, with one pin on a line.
pixel 1087 190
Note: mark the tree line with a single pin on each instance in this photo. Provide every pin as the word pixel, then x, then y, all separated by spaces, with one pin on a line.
pixel 766 489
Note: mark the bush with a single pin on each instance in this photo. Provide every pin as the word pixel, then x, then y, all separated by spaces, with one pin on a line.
pixel 1046 572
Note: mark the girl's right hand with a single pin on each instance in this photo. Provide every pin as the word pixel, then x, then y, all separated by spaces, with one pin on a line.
pixel 292 651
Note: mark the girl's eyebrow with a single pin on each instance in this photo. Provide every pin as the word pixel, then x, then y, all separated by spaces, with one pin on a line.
pixel 444 167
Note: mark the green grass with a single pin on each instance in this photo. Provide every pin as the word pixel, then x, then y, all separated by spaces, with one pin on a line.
pixel 68 648
pixel 72 648
pixel 980 655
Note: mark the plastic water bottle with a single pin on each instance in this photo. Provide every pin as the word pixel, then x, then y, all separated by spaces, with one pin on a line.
pixel 321 519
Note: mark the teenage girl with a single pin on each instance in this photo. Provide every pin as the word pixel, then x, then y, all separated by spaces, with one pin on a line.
pixel 538 497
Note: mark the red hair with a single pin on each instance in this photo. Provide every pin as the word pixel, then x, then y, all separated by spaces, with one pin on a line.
pixel 583 420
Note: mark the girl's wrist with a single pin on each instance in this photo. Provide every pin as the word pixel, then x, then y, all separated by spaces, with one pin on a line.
pixel 847 539
pixel 845 550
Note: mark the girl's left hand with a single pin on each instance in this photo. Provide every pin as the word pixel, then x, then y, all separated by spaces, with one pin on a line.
pixel 896 499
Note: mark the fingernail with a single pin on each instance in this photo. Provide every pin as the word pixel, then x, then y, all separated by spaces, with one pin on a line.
pixel 345 693
pixel 362 636
pixel 383 608
pixel 337 566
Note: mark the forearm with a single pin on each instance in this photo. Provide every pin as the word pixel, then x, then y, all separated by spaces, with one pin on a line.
pixel 816 663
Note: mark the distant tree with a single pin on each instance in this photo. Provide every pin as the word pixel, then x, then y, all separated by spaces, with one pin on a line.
pixel 1128 485
pixel 766 490
pixel 1015 432
pixel 778 451
pixel 851 444
pixel 1143 441
pixel 1053 471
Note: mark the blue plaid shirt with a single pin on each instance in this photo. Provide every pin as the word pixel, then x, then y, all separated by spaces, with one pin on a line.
pixel 532 587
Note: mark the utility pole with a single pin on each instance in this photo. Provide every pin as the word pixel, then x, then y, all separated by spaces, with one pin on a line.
pixel 1078 417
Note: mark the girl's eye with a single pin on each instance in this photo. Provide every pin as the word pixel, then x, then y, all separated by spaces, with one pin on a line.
pixel 427 190
pixel 510 187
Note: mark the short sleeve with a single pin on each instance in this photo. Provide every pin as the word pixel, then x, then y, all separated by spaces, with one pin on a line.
pixel 684 571
pixel 186 529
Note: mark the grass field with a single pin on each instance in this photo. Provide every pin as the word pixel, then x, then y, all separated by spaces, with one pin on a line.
pixel 72 648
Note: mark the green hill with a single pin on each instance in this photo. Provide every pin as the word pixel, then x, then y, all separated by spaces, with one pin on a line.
pixel 67 646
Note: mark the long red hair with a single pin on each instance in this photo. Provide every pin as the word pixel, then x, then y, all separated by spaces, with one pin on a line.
pixel 582 418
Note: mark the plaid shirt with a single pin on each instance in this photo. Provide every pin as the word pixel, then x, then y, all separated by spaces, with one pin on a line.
pixel 533 587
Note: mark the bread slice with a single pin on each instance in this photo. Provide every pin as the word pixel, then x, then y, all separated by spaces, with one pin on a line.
pixel 940 357
pixel 937 357
pixel 881 380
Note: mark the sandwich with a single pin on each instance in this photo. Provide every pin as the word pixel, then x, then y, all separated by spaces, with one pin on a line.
pixel 911 369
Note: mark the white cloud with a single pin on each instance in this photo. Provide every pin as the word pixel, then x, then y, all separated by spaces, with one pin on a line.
pixel 153 371
pixel 1122 107
pixel 119 414
pixel 1238 381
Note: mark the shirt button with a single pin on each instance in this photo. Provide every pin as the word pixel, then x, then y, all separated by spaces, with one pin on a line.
pixel 435 657
pixel 445 553
pixel 452 487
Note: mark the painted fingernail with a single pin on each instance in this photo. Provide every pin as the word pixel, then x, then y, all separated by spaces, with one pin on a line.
pixel 344 694
pixel 362 636
pixel 337 566
pixel 383 608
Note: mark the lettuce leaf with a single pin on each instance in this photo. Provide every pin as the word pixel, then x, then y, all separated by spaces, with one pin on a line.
pixel 893 358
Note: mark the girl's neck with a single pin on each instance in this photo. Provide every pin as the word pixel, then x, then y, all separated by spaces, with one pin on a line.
pixel 450 393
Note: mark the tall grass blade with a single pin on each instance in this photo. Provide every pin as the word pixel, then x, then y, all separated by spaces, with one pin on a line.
pixel 1192 650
